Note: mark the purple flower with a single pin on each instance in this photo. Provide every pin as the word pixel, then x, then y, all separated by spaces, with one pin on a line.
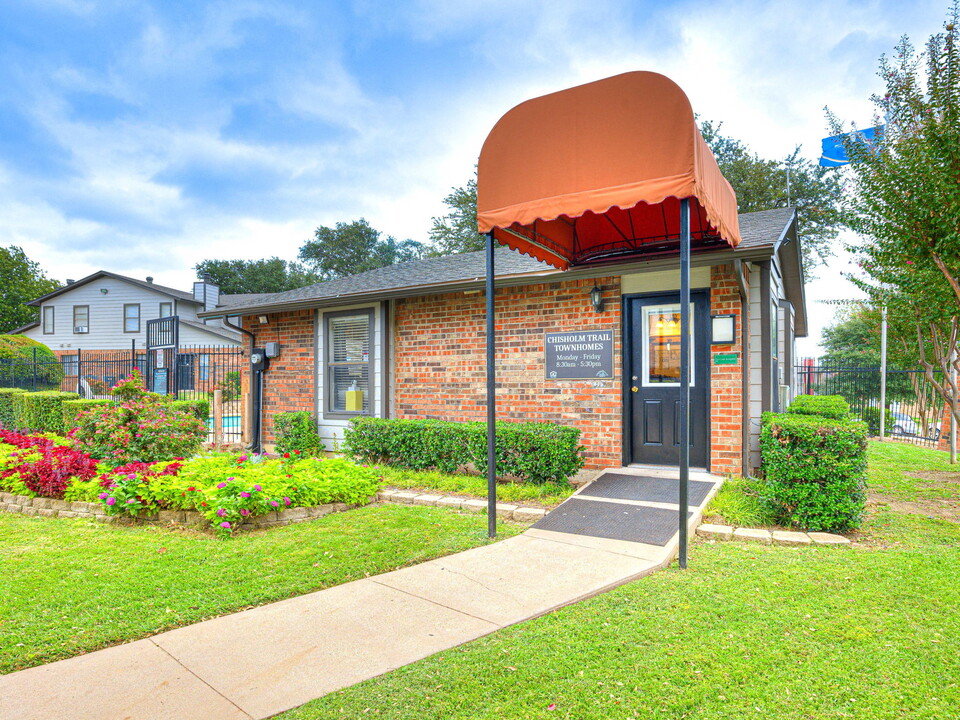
pixel 244 494
pixel 257 488
pixel 225 524
pixel 221 513
pixel 275 503
pixel 103 496
pixel 111 501
pixel 221 485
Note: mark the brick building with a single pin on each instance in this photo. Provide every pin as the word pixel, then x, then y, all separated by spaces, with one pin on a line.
pixel 408 341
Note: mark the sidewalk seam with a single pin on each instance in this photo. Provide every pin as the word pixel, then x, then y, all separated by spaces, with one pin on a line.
pixel 177 661
pixel 496 625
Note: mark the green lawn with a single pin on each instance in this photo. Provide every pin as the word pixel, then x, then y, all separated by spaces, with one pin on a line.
pixel 889 463
pixel 71 586
pixel 748 631
pixel 546 494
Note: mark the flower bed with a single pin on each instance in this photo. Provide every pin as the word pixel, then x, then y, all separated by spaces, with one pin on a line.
pixel 226 490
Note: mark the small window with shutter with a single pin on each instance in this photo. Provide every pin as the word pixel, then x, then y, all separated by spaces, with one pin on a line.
pixel 349 343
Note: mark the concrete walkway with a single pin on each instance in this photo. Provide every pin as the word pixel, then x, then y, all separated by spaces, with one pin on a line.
pixel 259 662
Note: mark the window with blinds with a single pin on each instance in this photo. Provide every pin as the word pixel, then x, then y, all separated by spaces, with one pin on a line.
pixel 349 341
pixel 81 319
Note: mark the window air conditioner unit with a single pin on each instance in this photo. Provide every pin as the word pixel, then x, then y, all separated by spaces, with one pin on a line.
pixel 784 397
pixel 80 328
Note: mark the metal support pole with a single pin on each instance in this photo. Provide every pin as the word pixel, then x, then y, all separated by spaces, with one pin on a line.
pixel 953 417
pixel 684 374
pixel 883 370
pixel 491 396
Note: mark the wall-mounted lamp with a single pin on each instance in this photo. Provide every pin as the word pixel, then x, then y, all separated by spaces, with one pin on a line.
pixel 103 291
pixel 596 299
pixel 263 319
pixel 723 329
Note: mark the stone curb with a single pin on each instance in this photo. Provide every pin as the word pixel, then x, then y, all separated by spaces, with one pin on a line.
pixel 710 531
pixel 505 511
pixel 48 507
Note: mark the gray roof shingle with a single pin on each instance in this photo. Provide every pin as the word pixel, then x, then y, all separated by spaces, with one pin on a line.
pixel 757 229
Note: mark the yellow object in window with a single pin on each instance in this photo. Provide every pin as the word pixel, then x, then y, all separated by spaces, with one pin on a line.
pixel 354 400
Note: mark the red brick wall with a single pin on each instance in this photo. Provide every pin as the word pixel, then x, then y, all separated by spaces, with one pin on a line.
pixel 440 360
pixel 726 381
pixel 289 384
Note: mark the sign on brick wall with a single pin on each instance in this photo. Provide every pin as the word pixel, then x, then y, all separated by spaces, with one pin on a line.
pixel 579 355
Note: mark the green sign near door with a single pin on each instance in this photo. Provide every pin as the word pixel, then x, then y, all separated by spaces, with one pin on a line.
pixel 725 358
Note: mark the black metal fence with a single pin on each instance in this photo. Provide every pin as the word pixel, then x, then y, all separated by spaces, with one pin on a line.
pixel 915 409
pixel 184 373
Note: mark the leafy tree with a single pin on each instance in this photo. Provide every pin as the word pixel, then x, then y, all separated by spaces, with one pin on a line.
pixel 456 232
pixel 905 201
pixel 256 276
pixel 761 184
pixel 853 340
pixel 350 248
pixel 21 280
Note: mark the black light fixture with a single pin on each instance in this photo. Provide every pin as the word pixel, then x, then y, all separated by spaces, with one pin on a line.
pixel 723 329
pixel 596 298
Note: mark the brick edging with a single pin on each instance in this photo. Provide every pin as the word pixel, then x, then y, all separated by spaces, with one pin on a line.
pixel 768 537
pixel 49 507
pixel 517 513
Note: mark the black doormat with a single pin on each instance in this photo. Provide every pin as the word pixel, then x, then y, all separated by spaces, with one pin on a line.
pixel 648 489
pixel 614 521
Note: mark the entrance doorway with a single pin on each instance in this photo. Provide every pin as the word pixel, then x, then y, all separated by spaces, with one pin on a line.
pixel 652 379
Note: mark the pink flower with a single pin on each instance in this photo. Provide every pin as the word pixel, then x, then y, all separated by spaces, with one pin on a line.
pixel 257 488
pixel 130 501
pixel 244 512
pixel 286 500
pixel 909 262
pixel 244 494
pixel 275 503
pixel 225 524
pixel 221 513
pixel 103 496
pixel 221 485
pixel 111 501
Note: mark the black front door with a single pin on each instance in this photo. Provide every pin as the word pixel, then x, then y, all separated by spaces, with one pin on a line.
pixel 652 364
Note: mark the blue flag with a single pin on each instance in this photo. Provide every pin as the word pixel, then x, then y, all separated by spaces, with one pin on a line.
pixel 833 154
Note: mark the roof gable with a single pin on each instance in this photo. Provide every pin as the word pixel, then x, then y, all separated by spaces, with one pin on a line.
pixel 179 295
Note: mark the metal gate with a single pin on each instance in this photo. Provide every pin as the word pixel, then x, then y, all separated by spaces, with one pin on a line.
pixel 163 341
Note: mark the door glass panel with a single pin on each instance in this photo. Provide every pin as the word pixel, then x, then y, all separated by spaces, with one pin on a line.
pixel 661 342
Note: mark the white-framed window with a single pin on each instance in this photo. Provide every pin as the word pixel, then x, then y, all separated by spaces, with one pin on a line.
pixel 81 319
pixel 131 317
pixel 70 364
pixel 166 309
pixel 348 363
pixel 661 343
pixel 48 320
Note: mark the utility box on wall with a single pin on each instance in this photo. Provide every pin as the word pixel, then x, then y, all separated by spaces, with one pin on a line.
pixel 272 349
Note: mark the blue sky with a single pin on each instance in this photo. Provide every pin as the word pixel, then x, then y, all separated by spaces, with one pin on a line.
pixel 142 137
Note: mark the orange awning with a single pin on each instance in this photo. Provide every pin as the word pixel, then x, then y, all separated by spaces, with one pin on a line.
pixel 597 172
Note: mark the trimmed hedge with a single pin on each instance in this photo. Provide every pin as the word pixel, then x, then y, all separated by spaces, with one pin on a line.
pixel 41 411
pixel 814 470
pixel 830 406
pixel 71 408
pixel 199 408
pixel 7 416
pixel 297 431
pixel 536 452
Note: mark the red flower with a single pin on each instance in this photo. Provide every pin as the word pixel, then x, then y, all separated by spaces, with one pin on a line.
pixel 286 455
pixel 203 504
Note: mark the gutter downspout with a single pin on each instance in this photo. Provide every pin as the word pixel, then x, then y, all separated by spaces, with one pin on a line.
pixel 738 271
pixel 255 407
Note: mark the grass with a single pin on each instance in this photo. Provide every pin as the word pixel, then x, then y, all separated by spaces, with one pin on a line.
pixel 71 586
pixel 547 494
pixel 738 503
pixel 867 631
pixel 889 463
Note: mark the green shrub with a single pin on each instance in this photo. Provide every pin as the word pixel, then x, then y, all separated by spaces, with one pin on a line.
pixel 17 367
pixel 41 411
pixel 198 407
pixel 814 470
pixel 72 408
pixel 742 502
pixel 297 431
pixel 871 416
pixel 7 417
pixel 230 386
pixel 537 452
pixel 830 406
